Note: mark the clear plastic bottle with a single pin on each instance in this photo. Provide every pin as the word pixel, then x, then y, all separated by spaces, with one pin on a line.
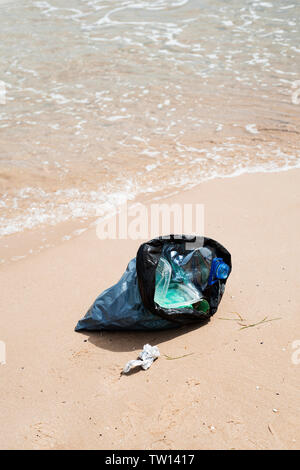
pixel 202 264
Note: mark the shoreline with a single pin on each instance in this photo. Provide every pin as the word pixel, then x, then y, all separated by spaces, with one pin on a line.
pixel 62 389
pixel 21 245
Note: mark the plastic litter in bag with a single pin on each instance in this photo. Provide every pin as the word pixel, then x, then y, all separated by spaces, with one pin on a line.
pixel 170 294
pixel 181 278
pixel 174 280
pixel 146 358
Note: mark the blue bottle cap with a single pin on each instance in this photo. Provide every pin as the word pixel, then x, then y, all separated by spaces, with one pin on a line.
pixel 222 271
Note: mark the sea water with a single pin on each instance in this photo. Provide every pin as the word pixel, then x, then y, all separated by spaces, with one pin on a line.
pixel 102 100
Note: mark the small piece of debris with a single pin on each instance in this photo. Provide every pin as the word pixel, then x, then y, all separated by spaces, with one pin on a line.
pixel 271 429
pixel 275 410
pixel 146 357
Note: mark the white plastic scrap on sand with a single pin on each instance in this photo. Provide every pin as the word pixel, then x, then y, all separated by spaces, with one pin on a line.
pixel 146 358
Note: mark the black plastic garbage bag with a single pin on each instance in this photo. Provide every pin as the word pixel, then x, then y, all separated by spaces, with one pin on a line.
pixel 130 305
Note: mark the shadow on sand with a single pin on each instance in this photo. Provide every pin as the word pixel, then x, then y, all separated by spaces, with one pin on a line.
pixel 122 341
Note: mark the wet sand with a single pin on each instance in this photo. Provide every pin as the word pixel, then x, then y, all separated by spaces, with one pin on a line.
pixel 234 389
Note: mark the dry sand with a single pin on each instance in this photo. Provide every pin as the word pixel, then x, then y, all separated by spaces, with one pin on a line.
pixel 235 388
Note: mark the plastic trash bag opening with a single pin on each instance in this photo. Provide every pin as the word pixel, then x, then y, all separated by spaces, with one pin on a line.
pixel 199 264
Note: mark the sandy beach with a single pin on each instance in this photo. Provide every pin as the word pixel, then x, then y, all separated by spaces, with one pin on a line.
pixel 220 386
pixel 106 105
